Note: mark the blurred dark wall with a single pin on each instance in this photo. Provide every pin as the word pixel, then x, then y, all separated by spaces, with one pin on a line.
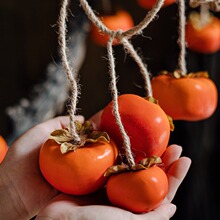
pixel 28 42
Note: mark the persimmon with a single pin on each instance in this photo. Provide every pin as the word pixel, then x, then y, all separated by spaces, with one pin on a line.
pixel 120 20
pixel 139 190
pixel 145 122
pixel 148 4
pixel 191 97
pixel 3 148
pixel 203 37
pixel 77 170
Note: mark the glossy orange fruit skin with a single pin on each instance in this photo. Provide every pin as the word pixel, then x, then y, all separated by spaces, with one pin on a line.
pixel 145 123
pixel 77 172
pixel 140 191
pixel 3 148
pixel 121 20
pixel 205 40
pixel 190 99
pixel 148 4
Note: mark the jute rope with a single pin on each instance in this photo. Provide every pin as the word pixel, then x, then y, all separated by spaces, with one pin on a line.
pixel 181 40
pixel 114 91
pixel 123 38
pixel 67 67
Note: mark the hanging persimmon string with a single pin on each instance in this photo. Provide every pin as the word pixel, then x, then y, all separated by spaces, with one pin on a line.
pixel 181 40
pixel 122 37
pixel 69 71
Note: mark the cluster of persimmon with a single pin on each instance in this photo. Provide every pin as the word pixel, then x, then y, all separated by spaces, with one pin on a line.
pixel 203 34
pixel 80 168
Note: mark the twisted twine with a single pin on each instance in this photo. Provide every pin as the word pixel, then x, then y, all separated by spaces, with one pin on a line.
pixel 69 72
pixel 181 40
pixel 123 38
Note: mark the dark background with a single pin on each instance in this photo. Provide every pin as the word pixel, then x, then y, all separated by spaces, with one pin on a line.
pixel 28 43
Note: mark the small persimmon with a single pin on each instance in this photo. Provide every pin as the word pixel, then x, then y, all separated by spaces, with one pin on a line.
pixel 203 38
pixel 148 4
pixel 145 122
pixel 140 190
pixel 121 20
pixel 191 97
pixel 3 148
pixel 77 170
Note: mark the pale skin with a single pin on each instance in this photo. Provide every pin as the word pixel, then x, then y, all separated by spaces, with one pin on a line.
pixel 24 193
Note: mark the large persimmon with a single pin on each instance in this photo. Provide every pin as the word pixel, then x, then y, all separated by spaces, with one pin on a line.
pixel 148 4
pixel 77 170
pixel 121 20
pixel 145 122
pixel 203 37
pixel 191 97
pixel 3 148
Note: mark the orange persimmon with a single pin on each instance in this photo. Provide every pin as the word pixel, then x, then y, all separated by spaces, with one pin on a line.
pixel 203 38
pixel 148 4
pixel 145 123
pixel 138 191
pixel 78 171
pixel 121 20
pixel 3 148
pixel 191 97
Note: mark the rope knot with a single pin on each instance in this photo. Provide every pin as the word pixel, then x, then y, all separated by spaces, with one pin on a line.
pixel 118 34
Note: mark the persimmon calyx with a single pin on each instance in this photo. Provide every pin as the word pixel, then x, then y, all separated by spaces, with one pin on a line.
pixel 145 163
pixel 155 101
pixel 197 22
pixel 177 74
pixel 151 99
pixel 86 133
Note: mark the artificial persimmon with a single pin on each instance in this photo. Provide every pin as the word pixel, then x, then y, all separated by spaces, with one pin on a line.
pixel 121 20
pixel 148 4
pixel 203 37
pixel 145 122
pixel 3 148
pixel 190 97
pixel 77 170
pixel 138 191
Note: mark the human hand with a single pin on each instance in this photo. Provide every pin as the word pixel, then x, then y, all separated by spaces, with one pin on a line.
pixel 23 190
pixel 96 206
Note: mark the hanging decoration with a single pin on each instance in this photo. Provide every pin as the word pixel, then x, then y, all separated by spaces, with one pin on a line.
pixel 60 156
pixel 190 97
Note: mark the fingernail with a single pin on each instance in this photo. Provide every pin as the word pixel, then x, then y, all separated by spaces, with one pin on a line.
pixel 172 209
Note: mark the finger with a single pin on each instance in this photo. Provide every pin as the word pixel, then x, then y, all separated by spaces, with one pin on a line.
pixel 70 207
pixel 95 119
pixel 176 174
pixel 40 133
pixel 164 211
pixel 73 207
pixel 171 154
